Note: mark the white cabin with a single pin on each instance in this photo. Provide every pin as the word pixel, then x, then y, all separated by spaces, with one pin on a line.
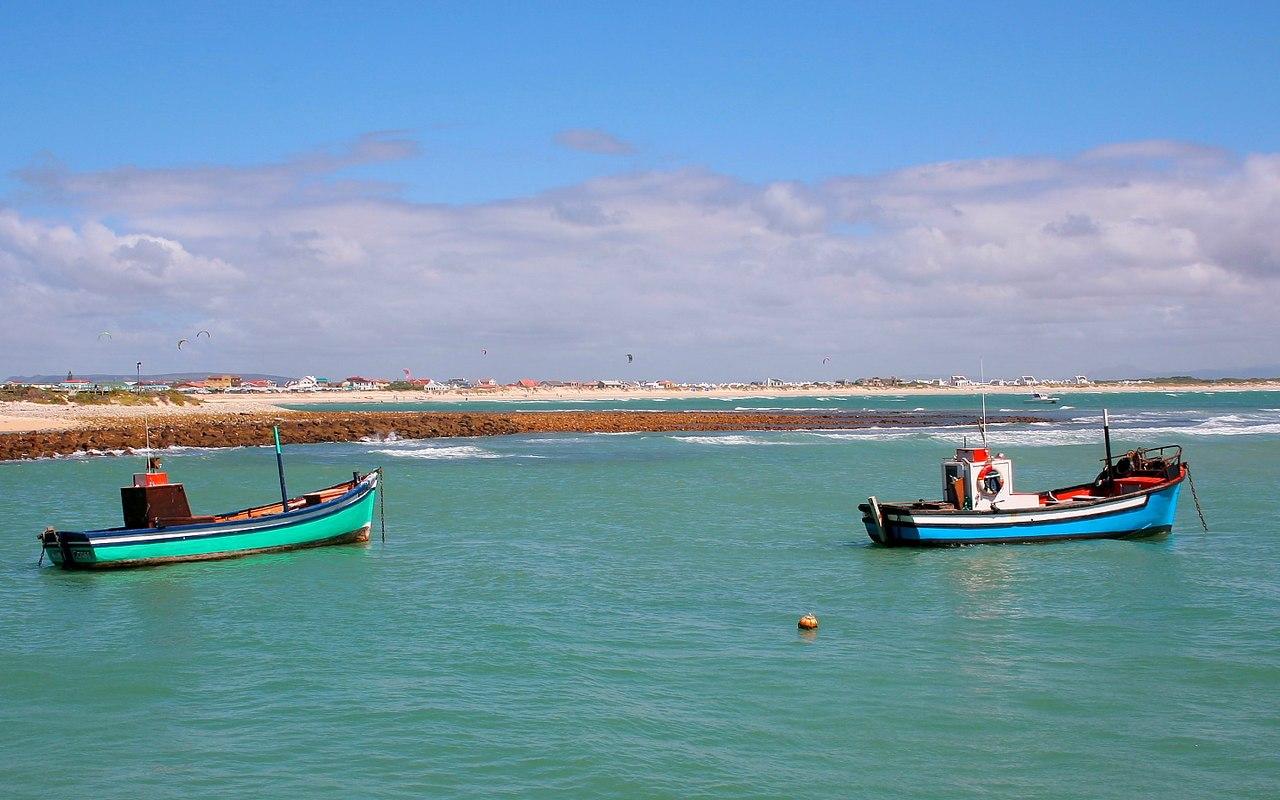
pixel 976 480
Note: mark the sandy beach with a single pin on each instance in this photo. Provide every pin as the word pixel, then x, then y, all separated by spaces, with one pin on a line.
pixel 16 417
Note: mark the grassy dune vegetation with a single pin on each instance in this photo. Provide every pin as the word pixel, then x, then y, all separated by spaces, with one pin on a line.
pixel 112 397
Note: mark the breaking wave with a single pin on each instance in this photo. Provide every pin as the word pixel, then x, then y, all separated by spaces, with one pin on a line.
pixel 732 440
pixel 453 453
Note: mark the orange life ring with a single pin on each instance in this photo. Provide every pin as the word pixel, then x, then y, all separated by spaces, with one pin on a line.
pixel 990 480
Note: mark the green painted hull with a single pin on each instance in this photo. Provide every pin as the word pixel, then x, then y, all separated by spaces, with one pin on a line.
pixel 344 519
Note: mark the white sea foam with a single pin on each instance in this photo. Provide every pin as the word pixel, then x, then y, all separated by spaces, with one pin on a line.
pixel 443 453
pixel 732 440
pixel 871 435
pixel 777 408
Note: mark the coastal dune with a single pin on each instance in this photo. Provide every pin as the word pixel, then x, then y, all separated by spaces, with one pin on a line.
pixel 248 428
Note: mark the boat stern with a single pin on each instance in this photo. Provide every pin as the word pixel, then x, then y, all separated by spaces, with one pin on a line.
pixel 67 549
pixel 873 519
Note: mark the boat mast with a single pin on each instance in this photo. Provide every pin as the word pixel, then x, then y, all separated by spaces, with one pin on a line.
pixel 146 438
pixel 284 493
pixel 1106 437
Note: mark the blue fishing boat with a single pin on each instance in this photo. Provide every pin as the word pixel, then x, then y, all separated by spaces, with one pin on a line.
pixel 1135 495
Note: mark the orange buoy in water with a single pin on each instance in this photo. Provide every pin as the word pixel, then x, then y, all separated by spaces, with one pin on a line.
pixel 808 622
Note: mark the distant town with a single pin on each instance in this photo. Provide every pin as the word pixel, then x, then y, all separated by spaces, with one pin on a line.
pixel 235 384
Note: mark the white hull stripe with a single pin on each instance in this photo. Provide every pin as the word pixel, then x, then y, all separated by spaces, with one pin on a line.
pixel 1013 517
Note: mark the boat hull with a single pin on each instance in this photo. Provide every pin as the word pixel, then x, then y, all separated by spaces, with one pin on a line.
pixel 1144 514
pixel 345 519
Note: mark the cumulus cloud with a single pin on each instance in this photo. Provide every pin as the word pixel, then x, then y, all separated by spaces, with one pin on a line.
pixel 593 140
pixel 1156 256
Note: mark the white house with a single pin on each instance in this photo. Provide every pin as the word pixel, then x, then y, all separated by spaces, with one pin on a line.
pixel 363 384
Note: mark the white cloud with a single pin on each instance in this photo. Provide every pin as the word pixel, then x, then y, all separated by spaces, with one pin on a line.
pixel 1052 264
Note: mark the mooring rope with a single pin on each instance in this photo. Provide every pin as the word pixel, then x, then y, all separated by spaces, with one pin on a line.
pixel 382 505
pixel 1196 498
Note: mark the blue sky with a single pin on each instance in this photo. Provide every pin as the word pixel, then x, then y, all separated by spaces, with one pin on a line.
pixel 758 91
pixel 759 185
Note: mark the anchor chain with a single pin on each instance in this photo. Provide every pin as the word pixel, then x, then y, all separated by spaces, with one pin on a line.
pixel 1195 497
pixel 48 530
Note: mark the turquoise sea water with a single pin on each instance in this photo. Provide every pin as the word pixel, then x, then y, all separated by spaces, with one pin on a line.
pixel 614 616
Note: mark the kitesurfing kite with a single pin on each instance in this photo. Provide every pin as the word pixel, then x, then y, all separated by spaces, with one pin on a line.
pixel 826 359
pixel 181 342
pixel 104 336
pixel 630 358
pixel 206 335
pixel 484 352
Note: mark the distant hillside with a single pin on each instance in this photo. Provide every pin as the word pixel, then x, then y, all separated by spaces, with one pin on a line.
pixel 165 376
pixel 1217 373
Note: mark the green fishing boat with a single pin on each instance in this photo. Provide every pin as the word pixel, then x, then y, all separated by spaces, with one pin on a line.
pixel 159 527
pixel 156 530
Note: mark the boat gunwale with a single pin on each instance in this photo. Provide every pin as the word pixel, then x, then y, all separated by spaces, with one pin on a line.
pixel 908 507
pixel 105 536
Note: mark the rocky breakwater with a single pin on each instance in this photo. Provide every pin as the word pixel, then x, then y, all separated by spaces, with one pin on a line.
pixel 249 429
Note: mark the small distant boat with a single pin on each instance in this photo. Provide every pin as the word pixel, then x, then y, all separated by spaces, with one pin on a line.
pixel 1135 495
pixel 159 527
pixel 1040 397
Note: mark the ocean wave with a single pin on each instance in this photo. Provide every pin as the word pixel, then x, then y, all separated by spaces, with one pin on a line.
pixel 443 453
pixel 777 408
pixel 1163 434
pixel 732 440
pixel 872 435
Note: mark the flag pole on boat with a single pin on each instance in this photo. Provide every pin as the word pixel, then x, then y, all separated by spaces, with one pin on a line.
pixel 284 493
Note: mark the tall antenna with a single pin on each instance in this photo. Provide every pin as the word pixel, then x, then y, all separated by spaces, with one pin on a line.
pixel 982 379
